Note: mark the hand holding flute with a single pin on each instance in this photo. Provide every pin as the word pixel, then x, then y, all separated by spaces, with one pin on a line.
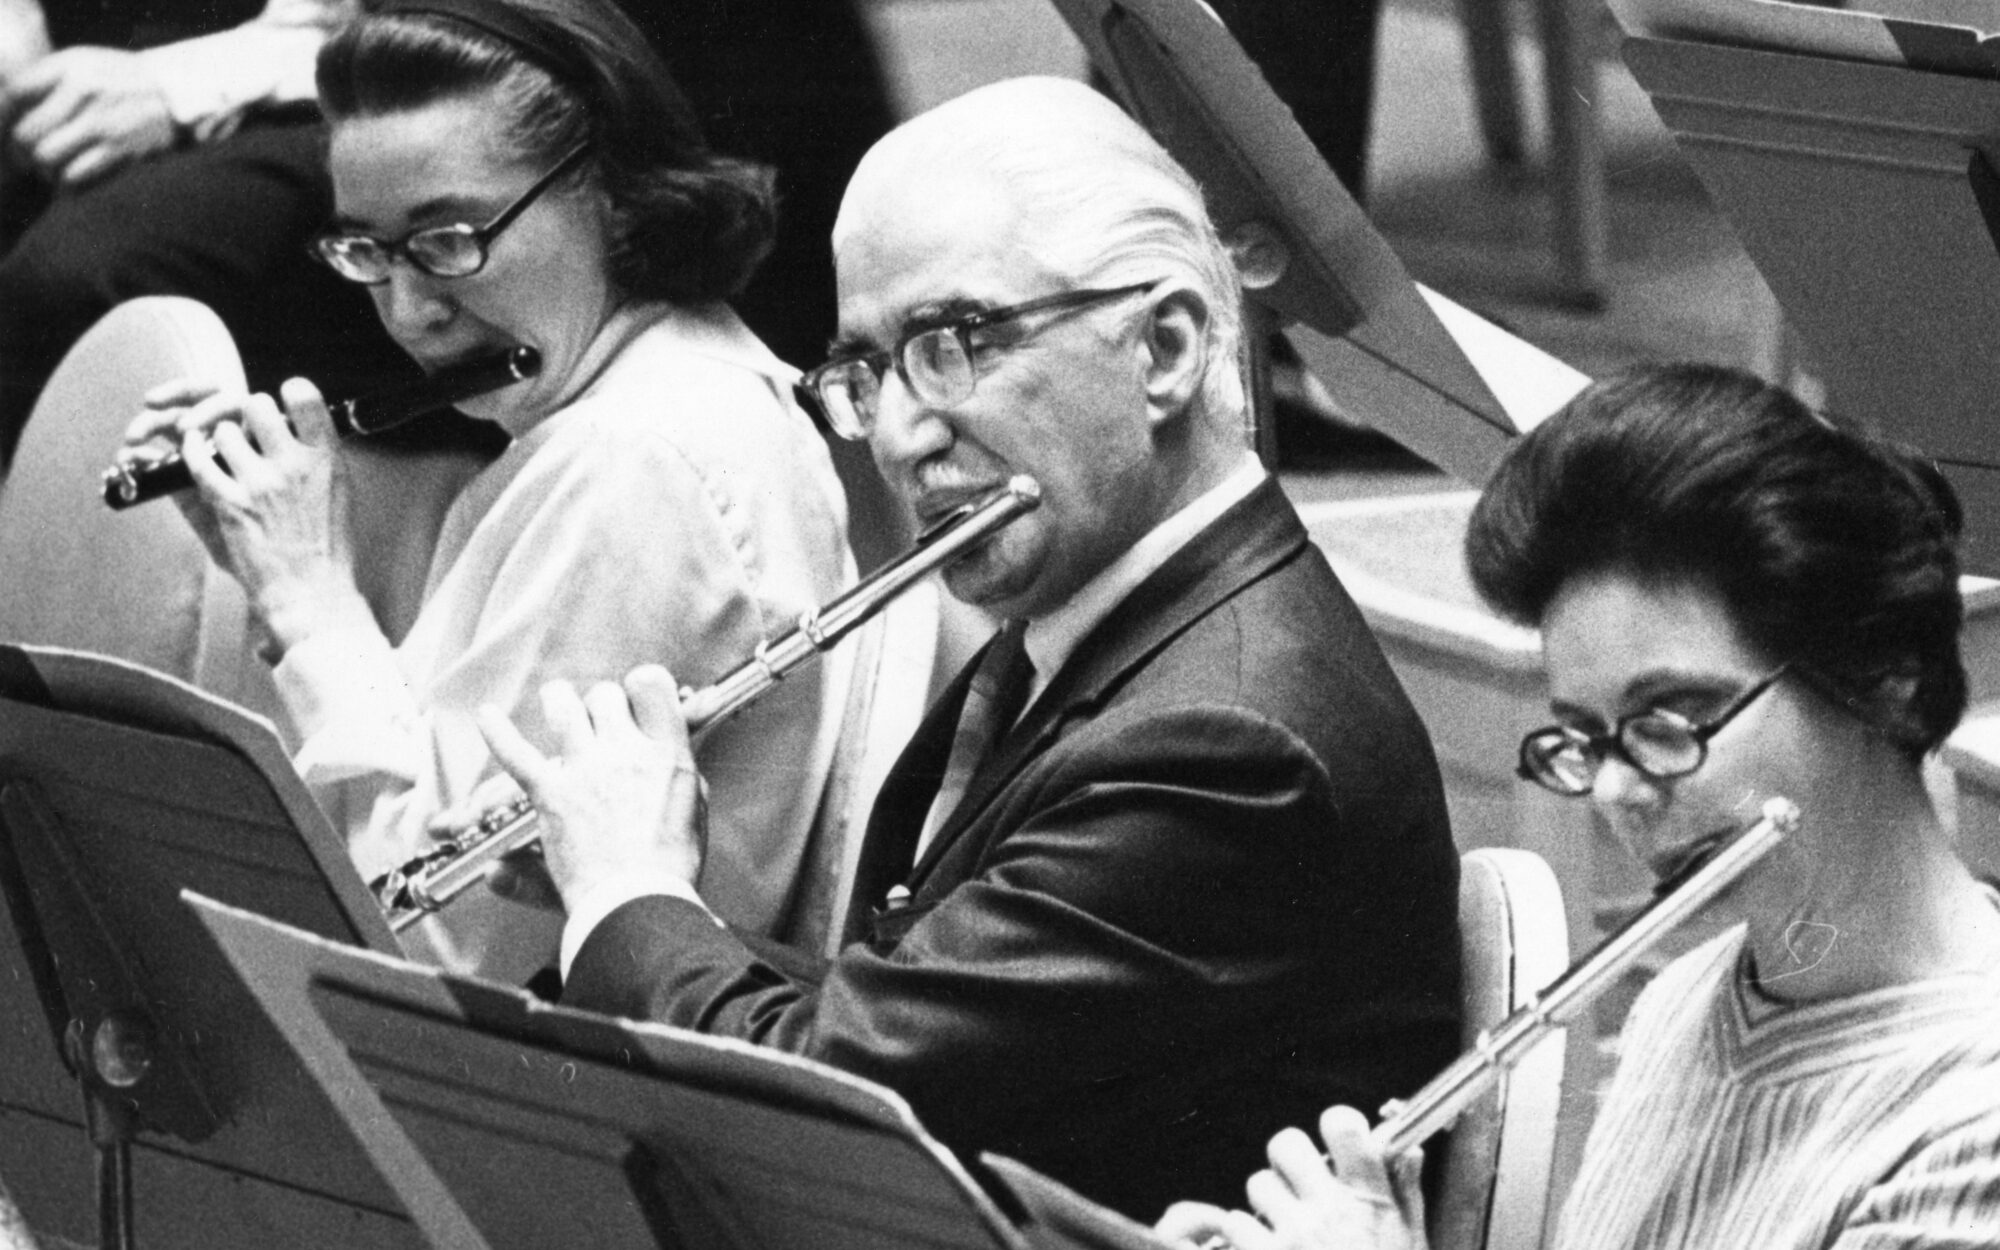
pixel 272 508
pixel 1347 1197
pixel 271 500
pixel 621 803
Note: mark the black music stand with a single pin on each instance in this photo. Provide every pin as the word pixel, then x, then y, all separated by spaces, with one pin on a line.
pixel 505 1122
pixel 118 787
pixel 1378 342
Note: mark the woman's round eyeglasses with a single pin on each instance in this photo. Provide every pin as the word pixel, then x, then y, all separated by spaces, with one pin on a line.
pixel 1660 743
pixel 454 251
pixel 933 358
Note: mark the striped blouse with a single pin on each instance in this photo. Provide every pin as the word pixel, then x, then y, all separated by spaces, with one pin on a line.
pixel 1860 1123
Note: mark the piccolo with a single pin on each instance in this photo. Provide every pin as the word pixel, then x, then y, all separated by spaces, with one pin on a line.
pixel 134 482
pixel 1496 1051
pixel 430 881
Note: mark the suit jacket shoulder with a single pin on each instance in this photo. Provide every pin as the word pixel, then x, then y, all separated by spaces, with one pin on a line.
pixel 1204 889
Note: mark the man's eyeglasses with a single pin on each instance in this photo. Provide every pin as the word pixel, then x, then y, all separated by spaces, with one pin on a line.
pixel 454 251
pixel 1659 743
pixel 934 360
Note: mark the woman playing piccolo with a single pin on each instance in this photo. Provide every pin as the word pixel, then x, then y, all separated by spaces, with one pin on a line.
pixel 525 173
pixel 1738 598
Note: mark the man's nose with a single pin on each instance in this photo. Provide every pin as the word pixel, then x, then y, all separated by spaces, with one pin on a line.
pixel 907 428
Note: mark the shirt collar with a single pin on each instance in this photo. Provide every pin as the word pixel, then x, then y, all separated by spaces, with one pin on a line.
pixel 1050 640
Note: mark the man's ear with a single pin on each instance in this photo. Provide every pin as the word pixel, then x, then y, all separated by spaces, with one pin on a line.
pixel 1174 339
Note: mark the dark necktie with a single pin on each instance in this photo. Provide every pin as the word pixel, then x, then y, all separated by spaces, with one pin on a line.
pixel 998 693
pixel 997 689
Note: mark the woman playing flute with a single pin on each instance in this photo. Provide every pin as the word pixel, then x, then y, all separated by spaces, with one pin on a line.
pixel 1738 598
pixel 525 173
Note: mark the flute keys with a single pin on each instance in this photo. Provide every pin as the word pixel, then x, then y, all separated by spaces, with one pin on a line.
pixel 499 818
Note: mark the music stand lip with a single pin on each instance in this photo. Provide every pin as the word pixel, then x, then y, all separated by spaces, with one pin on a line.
pixel 1187 80
pixel 1878 33
pixel 334 1003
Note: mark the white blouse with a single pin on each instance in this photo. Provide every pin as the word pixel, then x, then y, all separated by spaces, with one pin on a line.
pixel 681 510
pixel 1859 1123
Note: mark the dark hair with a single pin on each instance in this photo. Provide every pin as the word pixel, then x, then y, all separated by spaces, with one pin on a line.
pixel 1832 550
pixel 687 224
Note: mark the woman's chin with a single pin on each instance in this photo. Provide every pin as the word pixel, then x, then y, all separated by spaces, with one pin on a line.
pixel 488 408
pixel 515 409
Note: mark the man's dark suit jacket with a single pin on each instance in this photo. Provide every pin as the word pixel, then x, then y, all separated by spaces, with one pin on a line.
pixel 1204 889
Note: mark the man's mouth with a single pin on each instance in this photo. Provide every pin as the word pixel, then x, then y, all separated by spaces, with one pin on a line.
pixel 938 507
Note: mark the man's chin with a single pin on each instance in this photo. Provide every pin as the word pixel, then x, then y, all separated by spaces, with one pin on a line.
pixel 990 584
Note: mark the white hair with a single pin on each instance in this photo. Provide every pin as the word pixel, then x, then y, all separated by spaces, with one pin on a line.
pixel 1108 205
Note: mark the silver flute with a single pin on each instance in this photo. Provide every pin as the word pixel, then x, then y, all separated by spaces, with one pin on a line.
pixel 1497 1050
pixel 425 884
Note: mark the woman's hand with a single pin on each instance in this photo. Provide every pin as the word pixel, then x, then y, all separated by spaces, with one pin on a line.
pixel 1343 1200
pixel 172 411
pixel 276 517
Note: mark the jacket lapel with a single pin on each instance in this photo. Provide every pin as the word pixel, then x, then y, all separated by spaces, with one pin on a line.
pixel 897 817
pixel 1246 543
